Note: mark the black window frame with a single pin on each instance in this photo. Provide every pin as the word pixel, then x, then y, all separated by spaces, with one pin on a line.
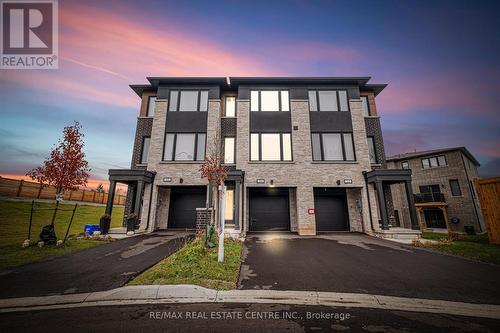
pixel 195 152
pixel 147 106
pixel 279 100
pixel 141 159
pixel 372 138
pixel 322 152
pixel 260 146
pixel 437 161
pixel 316 93
pixel 407 163
pixel 178 101
pixel 367 105
pixel 453 193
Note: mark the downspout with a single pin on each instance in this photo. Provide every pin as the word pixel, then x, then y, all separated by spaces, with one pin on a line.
pixel 471 193
pixel 369 203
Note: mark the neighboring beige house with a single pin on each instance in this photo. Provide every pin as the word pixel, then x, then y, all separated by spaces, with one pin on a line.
pixel 443 184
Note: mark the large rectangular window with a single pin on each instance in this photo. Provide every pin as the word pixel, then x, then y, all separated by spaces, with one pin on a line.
pixel 365 107
pixel 432 162
pixel 145 149
pixel 328 100
pixel 269 100
pixel 188 100
pixel 151 106
pixel 184 147
pixel 229 150
pixel 371 149
pixel 270 147
pixel 456 191
pixel 230 106
pixel 333 147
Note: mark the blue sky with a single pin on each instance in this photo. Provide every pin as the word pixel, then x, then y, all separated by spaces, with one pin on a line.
pixel 440 59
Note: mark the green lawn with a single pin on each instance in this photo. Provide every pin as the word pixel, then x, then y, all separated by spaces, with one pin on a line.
pixel 14 222
pixel 474 247
pixel 195 264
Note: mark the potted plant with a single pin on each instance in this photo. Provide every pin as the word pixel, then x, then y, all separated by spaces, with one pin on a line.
pixel 104 223
pixel 131 222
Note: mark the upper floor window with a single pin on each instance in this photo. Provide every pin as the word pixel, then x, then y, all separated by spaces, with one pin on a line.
pixel 230 106
pixel 151 106
pixel 456 191
pixel 371 150
pixel 188 100
pixel 270 147
pixel 405 165
pixel 269 100
pixel 365 107
pixel 229 150
pixel 145 149
pixel 432 162
pixel 328 100
pixel 184 147
pixel 429 189
pixel 333 147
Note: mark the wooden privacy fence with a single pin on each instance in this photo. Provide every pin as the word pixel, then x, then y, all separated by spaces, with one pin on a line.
pixel 25 189
pixel 488 190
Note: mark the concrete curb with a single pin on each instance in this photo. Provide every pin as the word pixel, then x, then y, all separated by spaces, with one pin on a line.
pixel 164 294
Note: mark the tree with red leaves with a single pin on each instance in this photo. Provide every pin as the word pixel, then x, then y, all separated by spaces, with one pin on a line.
pixel 66 167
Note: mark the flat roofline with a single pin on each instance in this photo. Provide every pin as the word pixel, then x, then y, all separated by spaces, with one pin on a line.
pixel 417 154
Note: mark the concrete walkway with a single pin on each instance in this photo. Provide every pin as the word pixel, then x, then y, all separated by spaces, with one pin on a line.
pixel 168 294
pixel 99 268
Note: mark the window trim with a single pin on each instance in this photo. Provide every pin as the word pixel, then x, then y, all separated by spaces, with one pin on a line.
pixel 259 136
pixel 316 92
pixel 367 105
pixel 280 105
pixel 141 158
pixel 342 143
pixel 437 161
pixel 174 146
pixel 179 95
pixel 459 188
pixel 148 105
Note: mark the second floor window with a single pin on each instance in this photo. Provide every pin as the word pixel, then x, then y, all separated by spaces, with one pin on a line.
pixel 333 147
pixel 433 162
pixel 269 100
pixel 184 147
pixel 270 147
pixel 405 165
pixel 229 148
pixel 328 100
pixel 365 107
pixel 455 188
pixel 151 106
pixel 145 149
pixel 371 150
pixel 188 100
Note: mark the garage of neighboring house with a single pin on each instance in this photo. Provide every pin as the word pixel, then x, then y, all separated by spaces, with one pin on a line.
pixel 269 209
pixel 183 203
pixel 331 209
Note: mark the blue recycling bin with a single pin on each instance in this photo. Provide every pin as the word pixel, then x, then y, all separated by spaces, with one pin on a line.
pixel 90 228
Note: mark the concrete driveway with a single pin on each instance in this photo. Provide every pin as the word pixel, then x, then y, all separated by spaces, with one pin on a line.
pixel 99 268
pixel 358 263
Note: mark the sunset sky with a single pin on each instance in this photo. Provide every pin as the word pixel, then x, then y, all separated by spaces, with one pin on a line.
pixel 441 60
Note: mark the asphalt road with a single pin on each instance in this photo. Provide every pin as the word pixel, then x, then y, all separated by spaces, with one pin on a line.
pixel 99 268
pixel 216 317
pixel 359 263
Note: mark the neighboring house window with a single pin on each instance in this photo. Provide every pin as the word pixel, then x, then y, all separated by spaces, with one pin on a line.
pixel 333 147
pixel 188 100
pixel 184 147
pixel 328 100
pixel 455 188
pixel 270 147
pixel 229 150
pixel 365 107
pixel 432 162
pixel 269 100
pixel 230 107
pixel 145 149
pixel 151 106
pixel 371 149
pixel 405 165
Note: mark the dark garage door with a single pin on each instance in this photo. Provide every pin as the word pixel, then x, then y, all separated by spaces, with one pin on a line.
pixel 183 204
pixel 331 209
pixel 269 209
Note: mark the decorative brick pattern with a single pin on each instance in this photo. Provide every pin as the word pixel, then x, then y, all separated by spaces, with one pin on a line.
pixel 228 127
pixel 203 218
pixel 374 129
pixel 144 126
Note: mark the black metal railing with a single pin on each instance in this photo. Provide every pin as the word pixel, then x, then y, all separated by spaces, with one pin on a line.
pixel 428 197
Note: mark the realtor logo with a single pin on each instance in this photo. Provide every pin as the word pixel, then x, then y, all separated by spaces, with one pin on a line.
pixel 29 36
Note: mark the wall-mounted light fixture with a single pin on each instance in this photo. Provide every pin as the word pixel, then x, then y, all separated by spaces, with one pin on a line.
pixel 271 183
pixel 181 180
pixel 338 182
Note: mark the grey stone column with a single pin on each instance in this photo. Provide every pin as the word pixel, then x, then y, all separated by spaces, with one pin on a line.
pixel 411 206
pixel 382 207
pixel 138 196
pixel 111 197
pixel 237 190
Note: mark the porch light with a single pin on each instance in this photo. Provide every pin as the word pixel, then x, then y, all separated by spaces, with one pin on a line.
pixel 271 183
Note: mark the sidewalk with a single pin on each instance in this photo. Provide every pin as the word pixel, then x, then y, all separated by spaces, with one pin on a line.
pixel 164 294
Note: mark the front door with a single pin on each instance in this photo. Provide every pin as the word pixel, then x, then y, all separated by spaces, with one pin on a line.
pixel 434 218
